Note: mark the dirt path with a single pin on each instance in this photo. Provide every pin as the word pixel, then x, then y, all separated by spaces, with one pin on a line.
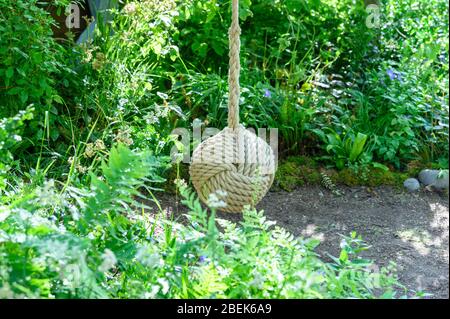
pixel 410 229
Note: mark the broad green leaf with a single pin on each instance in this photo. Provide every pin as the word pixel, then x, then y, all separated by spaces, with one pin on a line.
pixel 358 146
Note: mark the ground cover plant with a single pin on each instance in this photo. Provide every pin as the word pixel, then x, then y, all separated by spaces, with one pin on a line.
pixel 86 140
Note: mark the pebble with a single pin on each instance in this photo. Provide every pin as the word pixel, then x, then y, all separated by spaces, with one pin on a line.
pixel 442 183
pixel 430 177
pixel 412 184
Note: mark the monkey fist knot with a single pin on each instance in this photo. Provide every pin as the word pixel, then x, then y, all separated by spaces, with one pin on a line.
pixel 236 162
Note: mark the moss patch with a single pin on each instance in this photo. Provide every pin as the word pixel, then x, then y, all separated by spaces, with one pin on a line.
pixel 299 171
pixel 372 177
pixel 296 171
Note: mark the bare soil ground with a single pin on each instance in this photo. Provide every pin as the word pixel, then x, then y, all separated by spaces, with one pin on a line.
pixel 411 229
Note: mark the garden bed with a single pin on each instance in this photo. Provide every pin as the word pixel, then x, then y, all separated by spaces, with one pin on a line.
pixel 410 229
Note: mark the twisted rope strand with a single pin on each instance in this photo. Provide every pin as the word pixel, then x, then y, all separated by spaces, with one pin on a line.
pixel 234 68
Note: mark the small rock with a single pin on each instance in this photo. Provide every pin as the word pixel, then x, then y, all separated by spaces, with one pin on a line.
pixel 434 178
pixel 412 184
pixel 428 176
pixel 442 181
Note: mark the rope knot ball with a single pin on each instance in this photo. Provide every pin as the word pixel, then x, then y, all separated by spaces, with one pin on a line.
pixel 234 161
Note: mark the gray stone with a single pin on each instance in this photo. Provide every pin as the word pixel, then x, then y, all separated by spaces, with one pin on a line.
pixel 412 184
pixel 442 181
pixel 428 176
pixel 434 177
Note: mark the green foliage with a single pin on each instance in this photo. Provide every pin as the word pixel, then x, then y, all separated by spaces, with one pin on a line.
pixel 59 243
pixel 30 58
pixel 122 78
pixel 405 98
pixel 9 130
pixel 284 55
pixel 35 70
pixel 96 243
pixel 348 75
pixel 345 150
pixel 162 64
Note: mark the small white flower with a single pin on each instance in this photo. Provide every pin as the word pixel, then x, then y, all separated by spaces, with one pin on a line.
pixel 151 118
pixel 180 182
pixel 89 150
pixel 123 136
pixel 4 213
pixel 164 285
pixel 74 212
pixel 258 281
pixel 122 104
pixel 152 293
pixel 109 261
pixel 146 257
pixel 18 238
pixel 215 199
pixel 99 145
pixel 82 169
pixel 6 292
pixel 3 236
pixel 161 144
pixel 54 249
pixel 130 8
pixel 223 272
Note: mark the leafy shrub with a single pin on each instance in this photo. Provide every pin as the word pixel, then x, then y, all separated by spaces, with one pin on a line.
pixel 9 138
pixel 123 73
pixel 345 150
pixel 404 106
pixel 34 70
pixel 161 64
pixel 31 59
pixel 29 56
pixel 274 33
pixel 345 77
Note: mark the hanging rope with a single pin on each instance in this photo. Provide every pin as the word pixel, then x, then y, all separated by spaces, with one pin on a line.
pixel 235 161
pixel 234 68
